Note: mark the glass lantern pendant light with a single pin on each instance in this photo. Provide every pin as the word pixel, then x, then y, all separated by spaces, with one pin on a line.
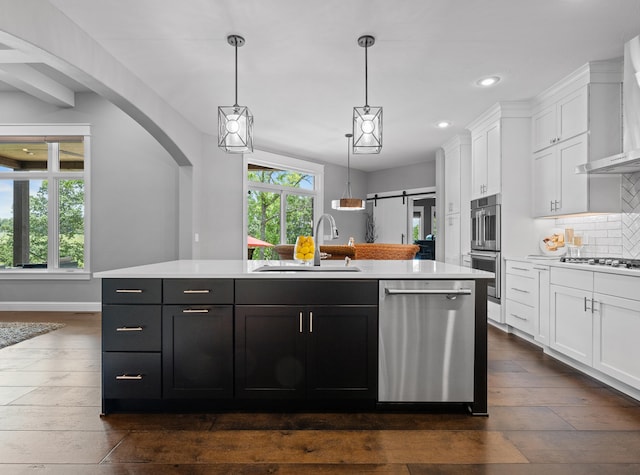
pixel 235 123
pixel 367 120
pixel 347 203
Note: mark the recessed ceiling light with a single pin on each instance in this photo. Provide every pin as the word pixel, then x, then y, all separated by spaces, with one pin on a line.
pixel 488 81
pixel 443 124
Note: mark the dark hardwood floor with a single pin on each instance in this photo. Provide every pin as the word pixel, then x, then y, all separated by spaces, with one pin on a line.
pixel 544 418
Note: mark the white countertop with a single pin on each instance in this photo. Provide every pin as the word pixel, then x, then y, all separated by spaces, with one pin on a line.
pixel 239 269
pixel 585 267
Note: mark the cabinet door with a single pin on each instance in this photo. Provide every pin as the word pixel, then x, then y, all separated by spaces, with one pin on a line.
pixel 544 128
pixel 545 178
pixel 391 217
pixel 616 349
pixel 478 165
pixel 270 352
pixel 571 323
pixel 574 187
pixel 342 356
pixel 452 180
pixel 572 114
pixel 494 154
pixel 452 239
pixel 197 351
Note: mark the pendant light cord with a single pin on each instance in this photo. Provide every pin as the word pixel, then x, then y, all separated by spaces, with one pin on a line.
pixel 348 168
pixel 366 77
pixel 236 48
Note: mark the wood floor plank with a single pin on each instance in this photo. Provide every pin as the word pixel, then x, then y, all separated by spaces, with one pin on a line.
pixel 601 418
pixel 44 446
pixel 528 469
pixel 61 396
pixel 316 447
pixel 578 446
pixel 556 397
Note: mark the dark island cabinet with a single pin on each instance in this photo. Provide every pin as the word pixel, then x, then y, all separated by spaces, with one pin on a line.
pixel 295 351
pixel 131 340
pixel 197 351
pixel 291 352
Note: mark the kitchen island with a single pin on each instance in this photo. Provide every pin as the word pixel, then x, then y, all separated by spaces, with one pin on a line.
pixel 223 334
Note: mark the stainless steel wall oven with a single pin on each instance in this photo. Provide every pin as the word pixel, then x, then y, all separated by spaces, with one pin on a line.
pixel 485 240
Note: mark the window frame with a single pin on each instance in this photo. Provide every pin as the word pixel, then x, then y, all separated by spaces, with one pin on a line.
pixel 53 175
pixel 282 162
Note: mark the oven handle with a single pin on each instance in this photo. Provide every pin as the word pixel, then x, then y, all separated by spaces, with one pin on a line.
pixel 485 257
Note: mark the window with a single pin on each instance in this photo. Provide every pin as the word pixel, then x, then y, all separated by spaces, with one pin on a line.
pixel 43 200
pixel 283 199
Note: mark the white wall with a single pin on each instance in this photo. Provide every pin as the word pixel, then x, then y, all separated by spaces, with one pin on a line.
pixel 134 194
pixel 349 223
pixel 420 175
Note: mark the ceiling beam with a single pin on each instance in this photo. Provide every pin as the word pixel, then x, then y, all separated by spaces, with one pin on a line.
pixel 27 79
pixel 15 56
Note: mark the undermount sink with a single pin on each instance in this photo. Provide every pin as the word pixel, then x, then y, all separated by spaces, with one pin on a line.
pixel 300 268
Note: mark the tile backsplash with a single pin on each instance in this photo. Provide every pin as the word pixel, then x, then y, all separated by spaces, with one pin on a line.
pixel 612 235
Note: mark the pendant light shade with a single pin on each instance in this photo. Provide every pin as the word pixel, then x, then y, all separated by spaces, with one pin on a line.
pixel 235 123
pixel 367 120
pixel 347 203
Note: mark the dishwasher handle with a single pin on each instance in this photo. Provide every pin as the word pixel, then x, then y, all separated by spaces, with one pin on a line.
pixel 427 291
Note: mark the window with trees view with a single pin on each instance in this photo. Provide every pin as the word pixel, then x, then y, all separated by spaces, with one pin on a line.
pixel 280 206
pixel 42 202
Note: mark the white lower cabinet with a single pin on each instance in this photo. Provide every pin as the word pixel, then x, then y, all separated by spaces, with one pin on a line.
pixel 571 331
pixel 617 327
pixel 527 299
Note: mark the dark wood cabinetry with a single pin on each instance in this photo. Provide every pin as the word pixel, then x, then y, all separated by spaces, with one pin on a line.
pixel 168 343
pixel 197 351
pixel 297 351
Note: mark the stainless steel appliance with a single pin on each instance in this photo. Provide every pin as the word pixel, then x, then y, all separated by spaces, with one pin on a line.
pixel 629 160
pixel 620 262
pixel 426 341
pixel 489 261
pixel 485 223
pixel 485 240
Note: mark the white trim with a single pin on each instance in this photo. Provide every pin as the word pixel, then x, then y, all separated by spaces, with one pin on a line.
pixel 50 306
pixel 289 163
pixel 44 274
pixel 412 191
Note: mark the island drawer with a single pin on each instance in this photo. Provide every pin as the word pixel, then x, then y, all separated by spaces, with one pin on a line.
pixel 131 327
pixel 131 375
pixel 306 292
pixel 197 291
pixel 131 291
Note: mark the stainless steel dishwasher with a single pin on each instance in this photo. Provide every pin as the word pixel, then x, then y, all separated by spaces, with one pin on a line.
pixel 426 341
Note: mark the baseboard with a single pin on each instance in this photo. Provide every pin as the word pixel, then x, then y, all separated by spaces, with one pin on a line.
pixel 50 306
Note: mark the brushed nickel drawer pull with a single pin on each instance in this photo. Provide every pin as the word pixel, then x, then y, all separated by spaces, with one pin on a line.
pixel 128 377
pixel 310 322
pixel 300 322
pixel 129 329
pixel 520 268
pixel 128 291
pixel 204 291
pixel 520 290
pixel 195 310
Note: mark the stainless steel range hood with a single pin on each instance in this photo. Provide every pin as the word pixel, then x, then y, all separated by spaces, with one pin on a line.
pixel 629 160
pixel 625 162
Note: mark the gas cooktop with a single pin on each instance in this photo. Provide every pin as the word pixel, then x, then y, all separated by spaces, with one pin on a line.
pixel 604 261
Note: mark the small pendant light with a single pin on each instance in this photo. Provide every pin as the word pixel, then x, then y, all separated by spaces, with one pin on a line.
pixel 367 120
pixel 235 123
pixel 347 203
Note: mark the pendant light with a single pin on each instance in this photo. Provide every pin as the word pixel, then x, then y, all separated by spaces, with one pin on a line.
pixel 347 203
pixel 367 120
pixel 235 123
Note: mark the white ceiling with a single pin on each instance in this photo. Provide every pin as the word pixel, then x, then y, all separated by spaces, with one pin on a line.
pixel 301 71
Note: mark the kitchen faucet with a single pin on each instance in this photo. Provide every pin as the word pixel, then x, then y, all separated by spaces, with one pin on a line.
pixel 334 235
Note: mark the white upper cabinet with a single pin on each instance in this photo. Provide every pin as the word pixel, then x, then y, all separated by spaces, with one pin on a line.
pixel 576 121
pixel 561 120
pixel 452 179
pixel 485 160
